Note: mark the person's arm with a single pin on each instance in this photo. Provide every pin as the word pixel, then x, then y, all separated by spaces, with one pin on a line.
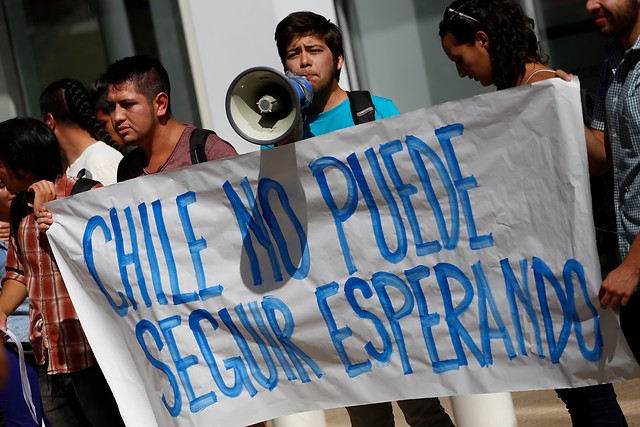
pixel 597 151
pixel 12 295
pixel 621 282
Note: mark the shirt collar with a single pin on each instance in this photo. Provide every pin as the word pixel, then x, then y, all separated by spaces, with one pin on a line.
pixel 615 53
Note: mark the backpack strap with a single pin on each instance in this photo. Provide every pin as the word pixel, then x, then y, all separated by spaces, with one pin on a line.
pixel 83 184
pixel 362 108
pixel 132 164
pixel 197 143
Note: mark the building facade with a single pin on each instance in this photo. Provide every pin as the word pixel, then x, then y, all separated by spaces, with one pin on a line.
pixel 393 48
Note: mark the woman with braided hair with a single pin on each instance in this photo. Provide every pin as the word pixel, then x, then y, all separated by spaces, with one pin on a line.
pixel 65 106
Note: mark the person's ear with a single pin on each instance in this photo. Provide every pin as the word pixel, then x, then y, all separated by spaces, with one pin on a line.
pixel 50 121
pixel 482 39
pixel 339 62
pixel 161 104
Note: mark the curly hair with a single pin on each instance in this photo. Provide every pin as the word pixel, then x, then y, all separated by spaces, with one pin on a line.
pixel 68 101
pixel 512 39
pixel 304 23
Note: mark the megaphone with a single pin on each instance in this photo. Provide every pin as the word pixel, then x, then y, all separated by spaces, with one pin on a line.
pixel 264 106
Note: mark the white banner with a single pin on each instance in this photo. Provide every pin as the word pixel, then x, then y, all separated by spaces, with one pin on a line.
pixel 445 251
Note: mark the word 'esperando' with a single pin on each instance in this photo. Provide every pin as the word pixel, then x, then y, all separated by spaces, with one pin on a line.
pixel 266 350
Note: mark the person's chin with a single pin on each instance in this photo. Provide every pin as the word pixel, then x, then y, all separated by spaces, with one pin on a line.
pixel 130 142
pixel 606 32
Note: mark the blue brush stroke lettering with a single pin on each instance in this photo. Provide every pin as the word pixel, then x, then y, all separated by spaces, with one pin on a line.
pixel 146 326
pixel 340 214
pixel 381 281
pixel 252 221
pixel 271 305
pixel 463 184
pixel 265 186
pixel 351 285
pixel 87 250
pixel 400 234
pixel 195 247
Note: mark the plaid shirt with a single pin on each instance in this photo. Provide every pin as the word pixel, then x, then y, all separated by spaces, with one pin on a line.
pixel 54 326
pixel 617 111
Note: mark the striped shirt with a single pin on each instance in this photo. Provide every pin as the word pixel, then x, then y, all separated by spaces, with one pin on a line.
pixel 54 326
pixel 617 111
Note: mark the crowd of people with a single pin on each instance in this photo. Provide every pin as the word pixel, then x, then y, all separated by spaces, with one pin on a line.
pixel 121 127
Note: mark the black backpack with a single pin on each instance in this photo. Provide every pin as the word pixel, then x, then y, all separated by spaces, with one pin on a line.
pixel 83 184
pixel 362 108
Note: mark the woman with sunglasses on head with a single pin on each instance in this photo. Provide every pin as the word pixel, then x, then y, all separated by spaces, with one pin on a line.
pixel 494 43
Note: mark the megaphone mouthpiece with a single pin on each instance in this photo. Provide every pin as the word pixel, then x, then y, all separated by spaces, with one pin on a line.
pixel 303 89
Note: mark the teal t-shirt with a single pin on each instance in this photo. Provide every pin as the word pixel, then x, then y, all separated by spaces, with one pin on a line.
pixel 339 117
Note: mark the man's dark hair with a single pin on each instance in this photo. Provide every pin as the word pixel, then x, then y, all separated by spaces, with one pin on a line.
pixel 512 39
pixel 147 73
pixel 68 101
pixel 300 24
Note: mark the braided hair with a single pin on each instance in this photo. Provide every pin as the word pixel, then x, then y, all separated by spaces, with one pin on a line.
pixel 512 39
pixel 68 101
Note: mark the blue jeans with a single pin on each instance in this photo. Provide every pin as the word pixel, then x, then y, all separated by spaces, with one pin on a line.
pixel 593 406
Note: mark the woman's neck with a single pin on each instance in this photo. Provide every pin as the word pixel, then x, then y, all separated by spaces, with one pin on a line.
pixel 529 70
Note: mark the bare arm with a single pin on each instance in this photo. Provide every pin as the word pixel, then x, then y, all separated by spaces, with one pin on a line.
pixel 597 151
pixel 12 295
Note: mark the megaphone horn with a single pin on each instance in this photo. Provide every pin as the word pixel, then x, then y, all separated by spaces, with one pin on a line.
pixel 264 105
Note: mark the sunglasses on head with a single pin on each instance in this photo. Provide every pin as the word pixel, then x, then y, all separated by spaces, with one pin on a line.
pixel 450 13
